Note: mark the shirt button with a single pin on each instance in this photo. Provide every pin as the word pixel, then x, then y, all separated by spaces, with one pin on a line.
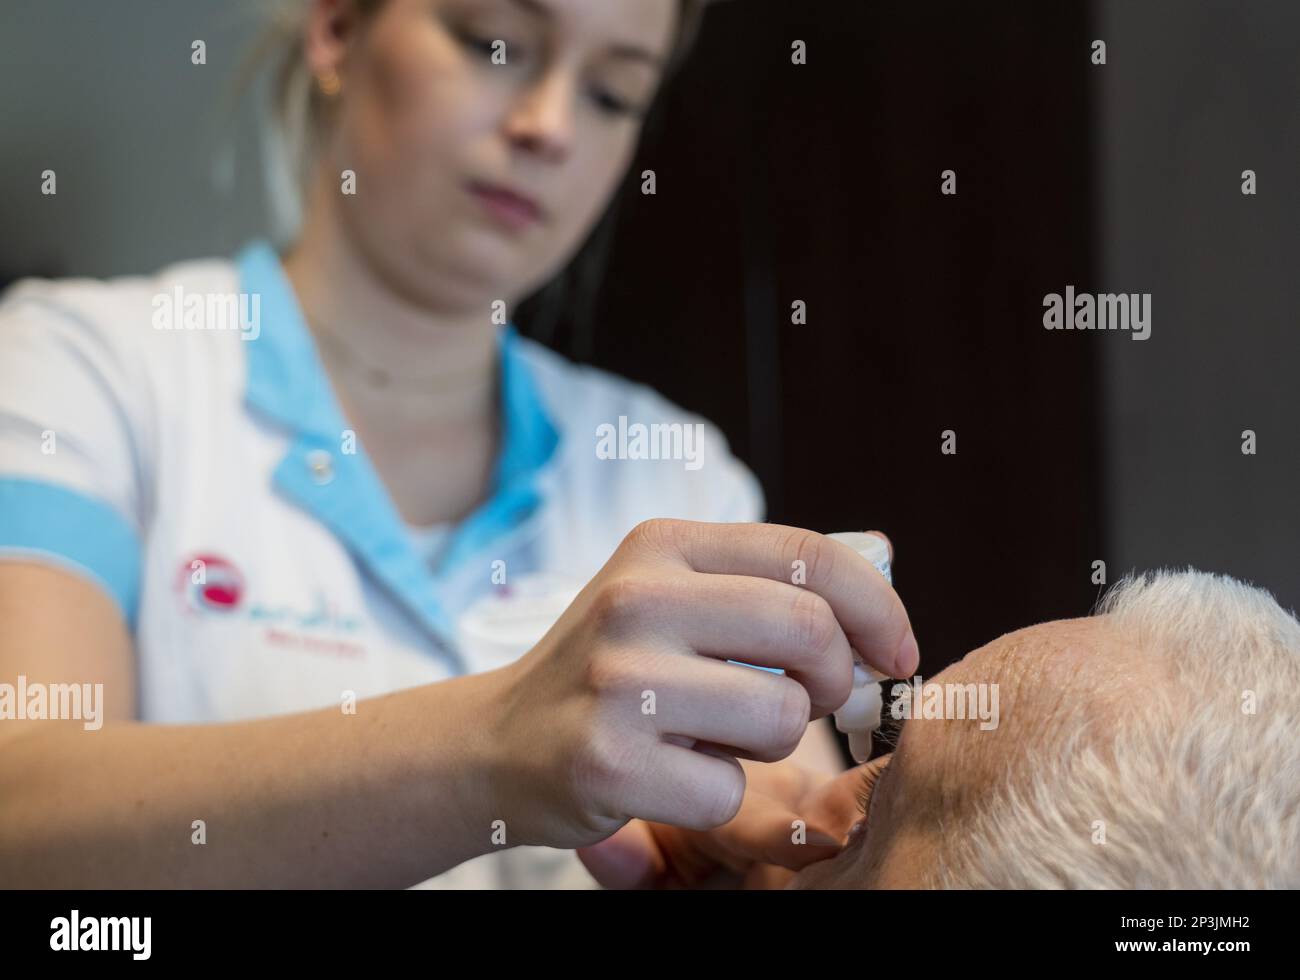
pixel 322 466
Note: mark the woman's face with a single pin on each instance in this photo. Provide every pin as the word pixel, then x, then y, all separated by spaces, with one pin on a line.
pixel 439 133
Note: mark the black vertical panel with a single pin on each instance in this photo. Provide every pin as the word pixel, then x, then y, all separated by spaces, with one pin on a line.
pixel 764 318
pixel 821 183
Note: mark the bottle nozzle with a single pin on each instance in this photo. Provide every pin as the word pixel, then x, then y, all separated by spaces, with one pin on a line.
pixel 859 716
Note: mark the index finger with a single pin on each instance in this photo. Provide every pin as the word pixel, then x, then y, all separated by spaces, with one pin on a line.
pixel 866 606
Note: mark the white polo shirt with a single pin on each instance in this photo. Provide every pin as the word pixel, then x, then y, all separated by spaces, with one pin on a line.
pixel 200 471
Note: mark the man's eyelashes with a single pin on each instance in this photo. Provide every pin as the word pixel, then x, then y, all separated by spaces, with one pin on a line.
pixel 870 776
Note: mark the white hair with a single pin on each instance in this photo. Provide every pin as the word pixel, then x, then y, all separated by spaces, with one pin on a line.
pixel 1194 785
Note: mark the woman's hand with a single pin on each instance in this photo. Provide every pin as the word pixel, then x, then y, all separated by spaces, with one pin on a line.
pixel 628 709
pixel 790 818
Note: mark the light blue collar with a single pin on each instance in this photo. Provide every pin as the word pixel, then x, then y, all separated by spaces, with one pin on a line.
pixel 287 384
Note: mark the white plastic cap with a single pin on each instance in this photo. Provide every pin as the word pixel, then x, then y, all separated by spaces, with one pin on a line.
pixel 859 716
pixel 872 547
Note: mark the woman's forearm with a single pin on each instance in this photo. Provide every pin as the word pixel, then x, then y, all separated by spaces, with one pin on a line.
pixel 386 797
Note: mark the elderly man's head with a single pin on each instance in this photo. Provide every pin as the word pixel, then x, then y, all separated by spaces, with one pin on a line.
pixel 1152 745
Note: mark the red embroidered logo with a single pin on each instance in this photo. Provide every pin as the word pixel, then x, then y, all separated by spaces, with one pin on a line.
pixel 210 583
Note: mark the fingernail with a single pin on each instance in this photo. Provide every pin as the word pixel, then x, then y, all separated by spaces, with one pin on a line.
pixel 908 657
pixel 819 839
pixel 860 746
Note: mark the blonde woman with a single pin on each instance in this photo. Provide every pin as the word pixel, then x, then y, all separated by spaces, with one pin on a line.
pixel 253 503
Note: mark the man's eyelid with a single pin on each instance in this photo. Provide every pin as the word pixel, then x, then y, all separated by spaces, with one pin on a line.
pixel 880 782
pixel 884 772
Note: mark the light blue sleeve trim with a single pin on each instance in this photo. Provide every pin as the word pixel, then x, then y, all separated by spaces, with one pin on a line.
pixel 46 521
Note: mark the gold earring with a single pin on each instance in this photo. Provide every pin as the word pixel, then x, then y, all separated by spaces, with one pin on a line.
pixel 329 83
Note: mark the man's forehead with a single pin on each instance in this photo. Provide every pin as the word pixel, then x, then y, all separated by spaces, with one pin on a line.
pixel 1044 676
pixel 1032 675
pixel 1040 653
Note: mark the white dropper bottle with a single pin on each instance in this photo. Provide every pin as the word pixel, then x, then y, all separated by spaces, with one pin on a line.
pixel 859 716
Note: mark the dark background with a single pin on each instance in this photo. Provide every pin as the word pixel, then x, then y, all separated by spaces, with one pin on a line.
pixel 821 183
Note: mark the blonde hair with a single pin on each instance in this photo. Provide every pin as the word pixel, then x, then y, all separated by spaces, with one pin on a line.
pixel 299 117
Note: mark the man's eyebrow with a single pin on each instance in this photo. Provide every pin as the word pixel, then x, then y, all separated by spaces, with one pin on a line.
pixel 628 52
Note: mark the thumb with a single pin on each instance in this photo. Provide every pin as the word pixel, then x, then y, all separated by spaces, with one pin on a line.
pixel 766 831
pixel 628 858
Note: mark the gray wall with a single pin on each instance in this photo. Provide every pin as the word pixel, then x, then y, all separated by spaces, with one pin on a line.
pixel 1193 94
pixel 104 94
